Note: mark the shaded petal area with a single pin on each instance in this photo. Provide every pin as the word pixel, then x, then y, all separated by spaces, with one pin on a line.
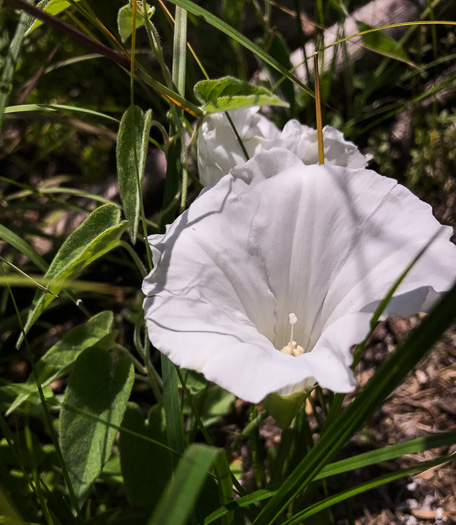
pixel 218 148
pixel 275 237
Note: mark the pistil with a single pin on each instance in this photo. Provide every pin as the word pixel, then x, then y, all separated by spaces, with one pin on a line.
pixel 292 348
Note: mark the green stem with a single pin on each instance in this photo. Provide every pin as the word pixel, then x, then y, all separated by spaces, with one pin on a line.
pixel 238 137
pixel 135 258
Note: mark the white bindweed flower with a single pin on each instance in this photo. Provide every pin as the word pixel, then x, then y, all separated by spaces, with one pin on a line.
pixel 219 149
pixel 273 273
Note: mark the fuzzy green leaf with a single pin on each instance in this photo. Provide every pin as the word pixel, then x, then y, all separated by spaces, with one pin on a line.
pixel 59 358
pixel 132 143
pixel 97 235
pixel 227 93
pixel 101 390
pixel 125 19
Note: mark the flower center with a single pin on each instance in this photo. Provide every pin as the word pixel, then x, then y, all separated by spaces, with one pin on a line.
pixel 292 348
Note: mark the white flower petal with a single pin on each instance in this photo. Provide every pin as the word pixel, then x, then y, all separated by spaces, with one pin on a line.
pixel 276 237
pixel 303 142
pixel 218 148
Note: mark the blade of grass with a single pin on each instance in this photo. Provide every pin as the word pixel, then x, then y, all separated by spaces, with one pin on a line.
pixel 15 492
pixel 25 108
pixel 347 465
pixel 47 414
pixel 35 475
pixel 18 242
pixel 211 19
pixel 61 189
pixel 10 63
pixel 174 427
pixel 96 46
pixel 390 374
pixel 360 489
pixel 182 492
pixel 389 26
pixel 27 277
pixel 388 453
pixel 81 286
pixel 225 477
pixel 321 148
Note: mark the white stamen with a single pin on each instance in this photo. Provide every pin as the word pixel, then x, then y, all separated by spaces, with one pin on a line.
pixel 292 348
pixel 292 320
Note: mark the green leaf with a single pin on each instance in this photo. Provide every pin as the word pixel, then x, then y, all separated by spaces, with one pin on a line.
pixel 125 18
pixel 146 467
pixel 53 7
pixel 19 243
pixel 59 358
pixel 101 390
pixel 132 143
pixel 182 492
pixel 227 93
pixel 211 401
pixel 97 235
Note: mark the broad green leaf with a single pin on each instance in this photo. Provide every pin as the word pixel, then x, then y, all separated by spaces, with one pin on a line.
pixel 53 7
pixel 227 93
pixel 125 18
pixel 59 358
pixel 99 389
pixel 382 43
pixel 211 401
pixel 19 243
pixel 97 235
pixel 146 467
pixel 390 374
pixel 132 143
pixel 182 492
